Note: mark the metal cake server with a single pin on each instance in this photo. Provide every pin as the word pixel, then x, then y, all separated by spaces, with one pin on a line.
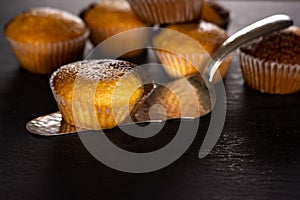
pixel 253 31
pixel 52 124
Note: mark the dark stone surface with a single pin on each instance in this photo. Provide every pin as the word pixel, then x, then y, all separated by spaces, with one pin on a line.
pixel 256 157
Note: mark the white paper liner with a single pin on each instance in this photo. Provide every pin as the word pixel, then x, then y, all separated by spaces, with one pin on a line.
pixel 270 77
pixel 91 116
pixel 177 66
pixel 44 58
pixel 167 11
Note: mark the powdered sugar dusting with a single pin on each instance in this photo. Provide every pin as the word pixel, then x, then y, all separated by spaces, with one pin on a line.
pixel 115 4
pixel 46 11
pixel 101 70
pixel 205 26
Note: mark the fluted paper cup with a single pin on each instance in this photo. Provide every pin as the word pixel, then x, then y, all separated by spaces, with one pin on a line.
pixel 44 58
pixel 90 116
pixel 166 11
pixel 269 77
pixel 177 66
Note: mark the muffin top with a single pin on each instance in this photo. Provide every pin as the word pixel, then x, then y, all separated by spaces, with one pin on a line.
pixel 105 81
pixel 215 13
pixel 111 12
pixel 45 24
pixel 282 47
pixel 187 38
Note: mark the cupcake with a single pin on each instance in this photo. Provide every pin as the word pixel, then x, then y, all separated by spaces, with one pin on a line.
pixel 271 64
pixel 97 94
pixel 110 17
pixel 185 49
pixel 166 11
pixel 45 38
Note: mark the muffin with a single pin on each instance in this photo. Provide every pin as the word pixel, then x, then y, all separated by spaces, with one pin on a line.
pixel 271 64
pixel 97 94
pixel 110 17
pixel 166 11
pixel 185 49
pixel 45 38
pixel 215 13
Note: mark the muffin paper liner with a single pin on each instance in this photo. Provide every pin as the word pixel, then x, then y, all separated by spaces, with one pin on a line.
pixel 270 77
pixel 91 116
pixel 167 11
pixel 177 66
pixel 44 58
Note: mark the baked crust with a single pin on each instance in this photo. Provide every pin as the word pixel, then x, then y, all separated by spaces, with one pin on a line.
pixel 280 47
pixel 108 13
pixel 44 24
pixel 207 35
pixel 215 13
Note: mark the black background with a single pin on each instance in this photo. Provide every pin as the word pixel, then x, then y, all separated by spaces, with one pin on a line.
pixel 257 156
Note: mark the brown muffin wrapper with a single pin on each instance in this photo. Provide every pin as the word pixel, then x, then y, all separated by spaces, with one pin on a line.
pixel 166 12
pixel 177 66
pixel 270 77
pixel 85 115
pixel 44 58
pixel 119 44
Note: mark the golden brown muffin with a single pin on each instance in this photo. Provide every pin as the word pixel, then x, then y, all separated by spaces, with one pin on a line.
pixel 110 17
pixel 215 13
pixel 166 11
pixel 271 64
pixel 185 49
pixel 96 94
pixel 45 38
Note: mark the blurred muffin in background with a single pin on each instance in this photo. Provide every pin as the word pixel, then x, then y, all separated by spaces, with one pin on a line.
pixel 166 11
pixel 215 13
pixel 45 38
pixel 271 64
pixel 185 49
pixel 107 18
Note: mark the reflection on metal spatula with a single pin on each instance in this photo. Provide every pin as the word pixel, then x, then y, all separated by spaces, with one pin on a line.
pixel 258 29
pixel 52 124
